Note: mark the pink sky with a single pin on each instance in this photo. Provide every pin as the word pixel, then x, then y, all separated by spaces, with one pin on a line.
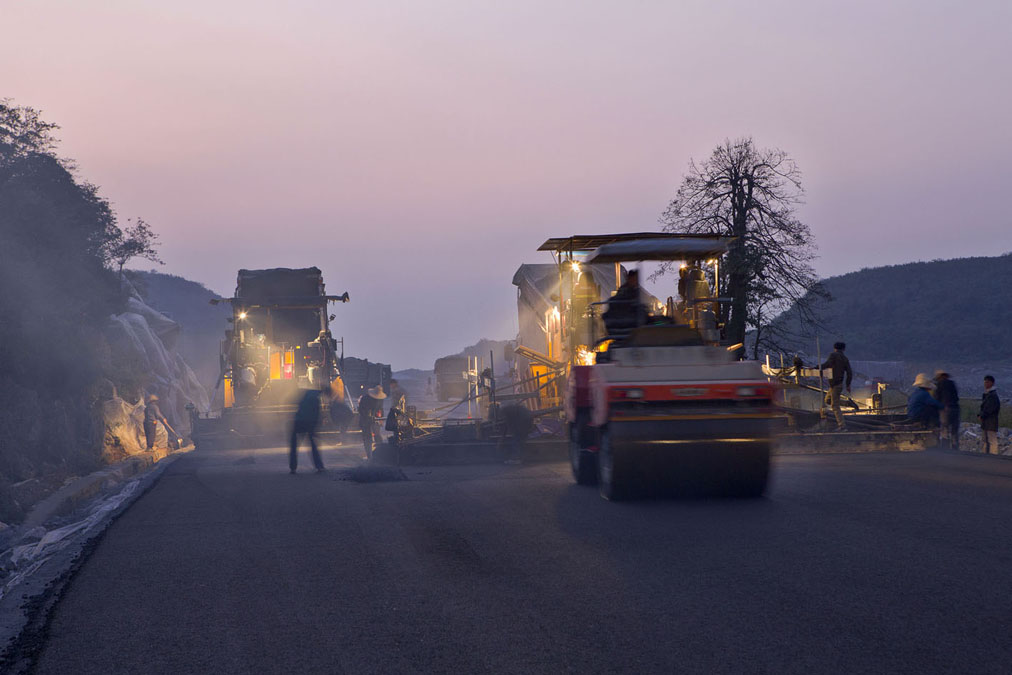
pixel 418 152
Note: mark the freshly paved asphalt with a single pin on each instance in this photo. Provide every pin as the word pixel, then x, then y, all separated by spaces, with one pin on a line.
pixel 853 563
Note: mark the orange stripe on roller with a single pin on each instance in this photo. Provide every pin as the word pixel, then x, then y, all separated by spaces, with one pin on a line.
pixel 689 392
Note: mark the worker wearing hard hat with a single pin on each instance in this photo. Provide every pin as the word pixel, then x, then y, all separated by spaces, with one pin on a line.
pixel 153 415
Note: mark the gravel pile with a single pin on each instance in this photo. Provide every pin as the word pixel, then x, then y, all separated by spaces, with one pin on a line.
pixel 971 439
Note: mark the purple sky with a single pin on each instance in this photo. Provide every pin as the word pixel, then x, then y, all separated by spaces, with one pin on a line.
pixel 418 152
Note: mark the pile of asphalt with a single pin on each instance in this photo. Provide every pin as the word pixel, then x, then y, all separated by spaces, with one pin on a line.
pixel 369 473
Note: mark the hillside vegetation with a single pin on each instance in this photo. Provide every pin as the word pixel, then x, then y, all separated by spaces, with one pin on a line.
pixel 60 243
pixel 943 311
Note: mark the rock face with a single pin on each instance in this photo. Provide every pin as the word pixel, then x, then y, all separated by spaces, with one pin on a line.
pixel 146 340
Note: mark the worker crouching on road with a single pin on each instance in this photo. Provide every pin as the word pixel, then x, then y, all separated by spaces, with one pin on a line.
pixel 990 406
pixel 922 407
pixel 839 367
pixel 307 420
pixel 370 411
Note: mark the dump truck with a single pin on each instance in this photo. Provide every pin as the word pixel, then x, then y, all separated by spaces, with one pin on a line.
pixel 664 405
pixel 279 343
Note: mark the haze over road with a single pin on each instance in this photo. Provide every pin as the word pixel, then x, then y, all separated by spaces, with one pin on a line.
pixel 873 563
pixel 430 147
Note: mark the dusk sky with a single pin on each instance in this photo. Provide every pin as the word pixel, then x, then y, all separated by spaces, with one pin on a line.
pixel 418 152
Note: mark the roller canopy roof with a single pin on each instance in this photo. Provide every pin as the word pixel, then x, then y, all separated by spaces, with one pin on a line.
pixel 667 248
pixel 588 242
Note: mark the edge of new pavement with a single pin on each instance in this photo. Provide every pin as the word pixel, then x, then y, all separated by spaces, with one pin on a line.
pixel 25 613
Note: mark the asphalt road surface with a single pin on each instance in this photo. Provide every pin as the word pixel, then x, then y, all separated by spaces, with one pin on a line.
pixel 853 563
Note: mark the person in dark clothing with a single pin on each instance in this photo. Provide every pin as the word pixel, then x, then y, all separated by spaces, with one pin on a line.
pixel 518 422
pixel 990 406
pixel 370 411
pixel 948 395
pixel 307 419
pixel 153 415
pixel 626 309
pixel 922 407
pixel 839 367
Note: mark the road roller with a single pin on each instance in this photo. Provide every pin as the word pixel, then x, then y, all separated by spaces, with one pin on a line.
pixel 660 405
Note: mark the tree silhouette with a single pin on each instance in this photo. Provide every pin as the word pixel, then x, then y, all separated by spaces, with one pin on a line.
pixel 136 241
pixel 751 194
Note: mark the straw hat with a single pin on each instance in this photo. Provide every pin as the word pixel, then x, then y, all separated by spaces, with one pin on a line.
pixel 940 373
pixel 377 393
pixel 152 398
pixel 923 381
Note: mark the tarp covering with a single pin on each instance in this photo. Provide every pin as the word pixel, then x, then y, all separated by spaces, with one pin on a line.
pixel 147 340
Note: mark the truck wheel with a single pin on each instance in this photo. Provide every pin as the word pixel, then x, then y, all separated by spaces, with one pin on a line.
pixel 613 471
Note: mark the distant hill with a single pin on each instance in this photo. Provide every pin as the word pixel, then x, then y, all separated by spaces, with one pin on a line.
pixel 943 311
pixel 188 303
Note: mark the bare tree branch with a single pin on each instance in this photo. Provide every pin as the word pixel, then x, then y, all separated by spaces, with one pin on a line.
pixel 750 194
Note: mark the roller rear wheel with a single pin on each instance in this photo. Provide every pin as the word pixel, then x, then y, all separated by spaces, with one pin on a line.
pixel 582 461
pixel 614 471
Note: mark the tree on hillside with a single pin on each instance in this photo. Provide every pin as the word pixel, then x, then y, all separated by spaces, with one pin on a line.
pixel 136 241
pixel 751 194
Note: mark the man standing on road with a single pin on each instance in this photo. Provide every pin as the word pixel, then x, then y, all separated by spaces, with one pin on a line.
pixel 989 408
pixel 839 367
pixel 307 419
pixel 370 410
pixel 948 396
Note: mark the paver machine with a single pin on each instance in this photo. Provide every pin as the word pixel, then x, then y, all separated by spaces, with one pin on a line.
pixel 662 405
pixel 279 343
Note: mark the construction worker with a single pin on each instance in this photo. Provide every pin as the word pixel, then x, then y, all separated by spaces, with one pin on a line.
pixel 153 415
pixel 922 407
pixel 948 395
pixel 307 419
pixel 370 410
pixel 990 406
pixel 839 367
pixel 518 422
pixel 626 309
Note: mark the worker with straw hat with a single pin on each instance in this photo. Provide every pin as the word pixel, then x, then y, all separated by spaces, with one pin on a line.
pixel 922 407
pixel 153 415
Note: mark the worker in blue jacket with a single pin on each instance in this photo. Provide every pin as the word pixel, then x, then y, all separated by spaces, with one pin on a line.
pixel 922 407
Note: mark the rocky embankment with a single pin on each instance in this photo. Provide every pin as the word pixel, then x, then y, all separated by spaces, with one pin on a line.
pixel 58 440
